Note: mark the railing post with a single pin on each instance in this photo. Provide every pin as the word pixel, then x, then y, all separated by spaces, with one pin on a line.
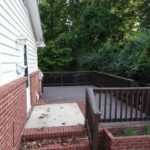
pixel 62 79
pixel 95 132
pixel 92 119
pixel 42 86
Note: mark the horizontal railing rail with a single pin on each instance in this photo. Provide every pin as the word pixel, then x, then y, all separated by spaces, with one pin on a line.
pixel 108 80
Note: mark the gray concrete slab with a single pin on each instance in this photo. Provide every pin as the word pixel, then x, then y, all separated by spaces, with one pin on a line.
pixel 54 115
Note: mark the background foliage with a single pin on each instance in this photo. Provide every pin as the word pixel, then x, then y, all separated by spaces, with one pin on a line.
pixel 107 35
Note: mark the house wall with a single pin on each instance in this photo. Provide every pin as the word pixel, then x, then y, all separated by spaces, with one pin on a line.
pixel 14 96
pixel 12 113
pixel 15 21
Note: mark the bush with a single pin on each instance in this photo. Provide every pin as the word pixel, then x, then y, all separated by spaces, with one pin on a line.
pixel 53 58
pixel 134 58
pixel 89 61
pixel 103 60
pixel 109 54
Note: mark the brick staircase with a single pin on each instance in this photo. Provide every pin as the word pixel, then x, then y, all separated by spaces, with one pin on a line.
pixel 56 138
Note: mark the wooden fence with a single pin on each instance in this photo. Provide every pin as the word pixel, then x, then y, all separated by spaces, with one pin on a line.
pixel 67 78
pixel 86 78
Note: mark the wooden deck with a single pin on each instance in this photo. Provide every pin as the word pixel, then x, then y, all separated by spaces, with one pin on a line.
pixel 65 92
pixel 117 101
pixel 78 93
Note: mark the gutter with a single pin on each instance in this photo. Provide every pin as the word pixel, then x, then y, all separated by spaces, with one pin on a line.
pixel 33 10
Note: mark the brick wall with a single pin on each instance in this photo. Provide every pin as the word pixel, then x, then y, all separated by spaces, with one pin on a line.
pixel 124 142
pixel 34 86
pixel 12 113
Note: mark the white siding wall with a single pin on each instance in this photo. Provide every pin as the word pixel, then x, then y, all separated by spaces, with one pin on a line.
pixel 15 21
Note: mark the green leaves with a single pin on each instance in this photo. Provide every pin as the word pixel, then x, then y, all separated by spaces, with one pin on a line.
pixel 101 35
pixel 53 59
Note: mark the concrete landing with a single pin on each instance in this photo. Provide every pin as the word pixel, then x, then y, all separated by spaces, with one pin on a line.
pixel 54 115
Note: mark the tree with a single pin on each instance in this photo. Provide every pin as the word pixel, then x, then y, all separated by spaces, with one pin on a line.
pixel 54 17
pixel 97 34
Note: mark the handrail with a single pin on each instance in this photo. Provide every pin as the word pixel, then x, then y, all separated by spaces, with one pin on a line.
pixel 115 76
pixel 92 118
pixel 67 72
pixel 122 88
pixel 92 101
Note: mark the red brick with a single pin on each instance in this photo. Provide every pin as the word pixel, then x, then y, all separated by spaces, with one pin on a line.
pixel 123 143
pixel 12 113
pixel 35 86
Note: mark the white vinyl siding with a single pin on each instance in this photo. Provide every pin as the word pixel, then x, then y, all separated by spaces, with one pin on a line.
pixel 15 21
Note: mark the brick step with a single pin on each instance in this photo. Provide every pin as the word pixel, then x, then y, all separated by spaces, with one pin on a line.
pixel 54 132
pixel 67 144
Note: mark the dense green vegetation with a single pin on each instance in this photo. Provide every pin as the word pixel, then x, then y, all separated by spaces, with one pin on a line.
pixel 106 35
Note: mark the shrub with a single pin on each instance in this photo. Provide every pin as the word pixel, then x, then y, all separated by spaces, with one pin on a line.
pixel 134 58
pixel 128 131
pixel 104 59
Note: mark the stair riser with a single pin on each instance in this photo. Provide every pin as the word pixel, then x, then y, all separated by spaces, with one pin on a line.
pixel 56 132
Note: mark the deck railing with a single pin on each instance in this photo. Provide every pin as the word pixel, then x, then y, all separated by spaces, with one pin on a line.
pixel 86 78
pixel 115 104
pixel 67 78
pixel 92 118
pixel 108 80
pixel 124 102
